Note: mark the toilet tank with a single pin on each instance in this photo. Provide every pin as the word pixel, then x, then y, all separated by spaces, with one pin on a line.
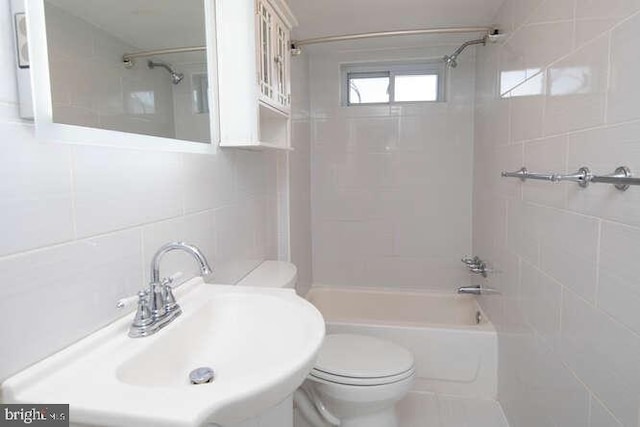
pixel 272 274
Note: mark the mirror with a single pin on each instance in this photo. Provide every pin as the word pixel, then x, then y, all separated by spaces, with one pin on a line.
pixel 160 90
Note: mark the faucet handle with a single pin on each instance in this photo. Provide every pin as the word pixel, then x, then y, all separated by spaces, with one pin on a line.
pixel 471 261
pixel 143 315
pixel 127 302
pixel 481 269
pixel 170 303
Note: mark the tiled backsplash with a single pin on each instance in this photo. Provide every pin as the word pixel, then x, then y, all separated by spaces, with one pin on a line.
pixel 566 257
pixel 391 185
pixel 80 224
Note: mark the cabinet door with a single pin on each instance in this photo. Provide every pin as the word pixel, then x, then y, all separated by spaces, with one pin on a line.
pixel 265 48
pixel 281 64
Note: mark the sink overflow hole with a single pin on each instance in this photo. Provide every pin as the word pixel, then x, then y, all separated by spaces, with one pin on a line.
pixel 201 375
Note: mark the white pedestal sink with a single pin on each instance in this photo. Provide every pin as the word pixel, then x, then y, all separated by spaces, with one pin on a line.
pixel 261 343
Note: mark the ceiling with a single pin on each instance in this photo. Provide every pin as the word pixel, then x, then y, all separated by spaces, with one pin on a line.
pixel 145 24
pixel 157 24
pixel 319 18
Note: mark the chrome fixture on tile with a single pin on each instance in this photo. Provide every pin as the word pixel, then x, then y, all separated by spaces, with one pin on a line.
pixel 296 45
pixel 470 290
pixel 452 60
pixel 175 76
pixel 470 261
pixel 157 306
pixel 476 265
pixel 621 178
pixel 128 59
pixel 476 290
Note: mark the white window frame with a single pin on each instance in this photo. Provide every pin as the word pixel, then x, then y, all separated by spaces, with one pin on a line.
pixel 392 69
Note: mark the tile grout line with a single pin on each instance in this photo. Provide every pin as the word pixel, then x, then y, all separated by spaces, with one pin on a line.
pixel 598 257
pixel 607 92
pixel 72 177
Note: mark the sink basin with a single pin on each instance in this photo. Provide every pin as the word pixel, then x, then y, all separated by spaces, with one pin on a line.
pixel 260 343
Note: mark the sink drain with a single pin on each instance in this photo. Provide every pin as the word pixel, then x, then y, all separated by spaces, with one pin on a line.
pixel 202 375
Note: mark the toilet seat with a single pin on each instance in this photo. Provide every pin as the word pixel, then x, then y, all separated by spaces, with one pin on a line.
pixel 374 381
pixel 360 360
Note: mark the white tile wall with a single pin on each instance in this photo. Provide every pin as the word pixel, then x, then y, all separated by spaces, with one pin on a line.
pixel 37 209
pixel 386 208
pixel 79 224
pixel 623 84
pixel 53 296
pixel 569 329
pixel 576 89
pixel 600 416
pixel 619 289
pixel 108 199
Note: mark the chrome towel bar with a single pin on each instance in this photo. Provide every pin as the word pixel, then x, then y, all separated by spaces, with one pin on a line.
pixel 621 178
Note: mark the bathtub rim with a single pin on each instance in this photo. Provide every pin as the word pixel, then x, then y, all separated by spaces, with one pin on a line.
pixel 485 326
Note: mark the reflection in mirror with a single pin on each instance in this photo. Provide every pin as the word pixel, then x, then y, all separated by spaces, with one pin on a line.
pixel 160 95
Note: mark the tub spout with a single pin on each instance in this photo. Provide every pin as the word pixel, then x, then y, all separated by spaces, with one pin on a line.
pixel 470 290
pixel 477 290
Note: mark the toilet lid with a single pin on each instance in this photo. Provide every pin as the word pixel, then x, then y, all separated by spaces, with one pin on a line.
pixel 359 356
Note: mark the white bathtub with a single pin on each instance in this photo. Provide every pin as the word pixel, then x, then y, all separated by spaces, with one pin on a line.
pixel 454 354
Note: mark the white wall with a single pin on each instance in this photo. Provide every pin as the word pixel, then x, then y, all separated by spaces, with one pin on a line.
pixel 91 87
pixel 79 224
pixel 391 186
pixel 300 175
pixel 568 317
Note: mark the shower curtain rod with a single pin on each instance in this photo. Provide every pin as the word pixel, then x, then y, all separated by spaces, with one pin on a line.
pixel 445 30
pixel 128 58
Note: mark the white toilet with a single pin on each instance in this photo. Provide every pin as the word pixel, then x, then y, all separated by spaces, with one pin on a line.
pixel 357 379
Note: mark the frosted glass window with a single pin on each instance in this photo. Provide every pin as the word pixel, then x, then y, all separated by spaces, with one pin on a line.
pixel 368 90
pixel 393 82
pixel 417 87
pixel 142 102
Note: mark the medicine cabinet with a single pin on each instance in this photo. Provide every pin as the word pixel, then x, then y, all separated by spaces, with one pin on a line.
pixel 87 91
pixel 256 115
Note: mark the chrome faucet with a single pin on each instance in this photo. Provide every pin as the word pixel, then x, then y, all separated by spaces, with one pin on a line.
pixel 476 265
pixel 168 247
pixel 470 290
pixel 477 290
pixel 157 306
